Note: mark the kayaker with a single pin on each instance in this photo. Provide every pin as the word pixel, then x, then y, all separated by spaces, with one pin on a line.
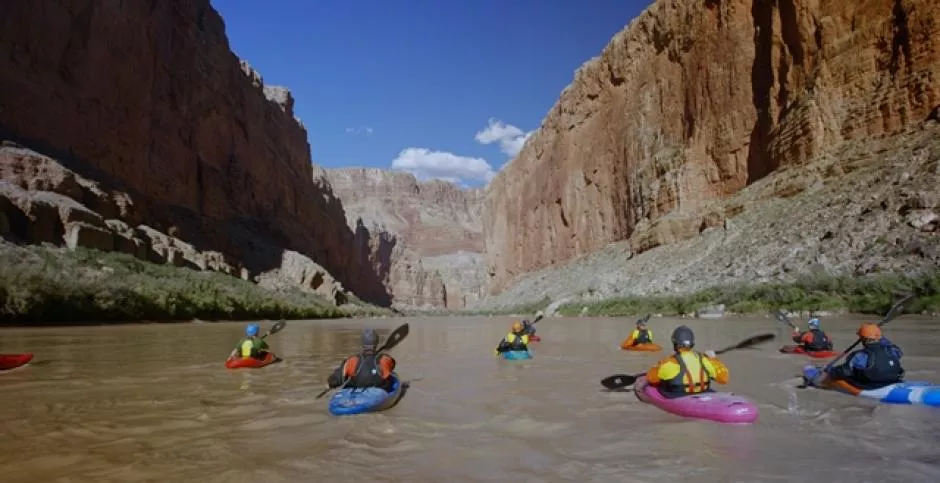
pixel 875 365
pixel 366 369
pixel 515 340
pixel 813 340
pixel 251 346
pixel 640 335
pixel 686 372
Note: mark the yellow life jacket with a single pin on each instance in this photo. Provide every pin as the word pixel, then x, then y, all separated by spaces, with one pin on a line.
pixel 247 346
pixel 688 373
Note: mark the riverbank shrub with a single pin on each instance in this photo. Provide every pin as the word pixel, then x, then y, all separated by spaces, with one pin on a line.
pixel 872 294
pixel 50 285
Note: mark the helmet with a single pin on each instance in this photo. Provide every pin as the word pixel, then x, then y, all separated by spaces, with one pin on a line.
pixel 683 336
pixel 369 338
pixel 516 327
pixel 252 330
pixel 869 331
pixel 813 323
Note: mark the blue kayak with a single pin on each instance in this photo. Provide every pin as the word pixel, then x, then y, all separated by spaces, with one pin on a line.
pixel 907 392
pixel 349 401
pixel 515 355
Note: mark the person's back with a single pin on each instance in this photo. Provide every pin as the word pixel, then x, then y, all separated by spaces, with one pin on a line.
pixel 814 339
pixel 252 346
pixel 640 335
pixel 366 369
pixel 875 365
pixel 515 340
pixel 686 372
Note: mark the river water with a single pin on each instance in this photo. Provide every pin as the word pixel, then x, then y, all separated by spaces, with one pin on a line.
pixel 154 403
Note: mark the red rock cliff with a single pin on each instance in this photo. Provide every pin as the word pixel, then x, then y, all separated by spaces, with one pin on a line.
pixel 696 100
pixel 147 98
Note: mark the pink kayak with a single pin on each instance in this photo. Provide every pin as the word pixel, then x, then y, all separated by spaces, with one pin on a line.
pixel 722 407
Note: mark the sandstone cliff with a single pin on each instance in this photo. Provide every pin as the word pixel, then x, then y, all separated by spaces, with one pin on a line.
pixel 437 261
pixel 139 114
pixel 697 100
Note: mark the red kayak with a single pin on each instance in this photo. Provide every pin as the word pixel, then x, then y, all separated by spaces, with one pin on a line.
pixel 795 349
pixel 534 338
pixel 12 361
pixel 249 362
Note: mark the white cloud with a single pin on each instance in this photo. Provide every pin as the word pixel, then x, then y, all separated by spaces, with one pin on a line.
pixel 510 138
pixel 359 130
pixel 426 164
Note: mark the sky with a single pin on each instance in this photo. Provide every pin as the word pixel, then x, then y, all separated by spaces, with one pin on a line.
pixel 442 89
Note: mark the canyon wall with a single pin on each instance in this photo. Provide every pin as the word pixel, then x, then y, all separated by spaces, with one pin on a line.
pixel 693 102
pixel 438 259
pixel 140 113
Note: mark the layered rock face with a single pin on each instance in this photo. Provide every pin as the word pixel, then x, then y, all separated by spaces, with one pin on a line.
pixel 145 101
pixel 695 101
pixel 437 261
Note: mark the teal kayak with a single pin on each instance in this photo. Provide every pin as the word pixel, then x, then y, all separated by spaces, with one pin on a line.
pixel 515 355
pixel 349 401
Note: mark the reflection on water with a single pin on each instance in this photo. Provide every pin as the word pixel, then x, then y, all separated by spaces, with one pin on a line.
pixel 154 402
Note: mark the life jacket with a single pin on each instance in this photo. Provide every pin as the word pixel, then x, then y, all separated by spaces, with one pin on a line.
pixel 688 382
pixel 642 336
pixel 882 369
pixel 517 342
pixel 819 342
pixel 363 371
pixel 248 348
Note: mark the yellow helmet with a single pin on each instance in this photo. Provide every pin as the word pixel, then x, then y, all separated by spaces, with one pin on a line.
pixel 517 327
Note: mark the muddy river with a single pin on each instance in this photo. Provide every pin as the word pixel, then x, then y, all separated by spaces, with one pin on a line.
pixel 154 403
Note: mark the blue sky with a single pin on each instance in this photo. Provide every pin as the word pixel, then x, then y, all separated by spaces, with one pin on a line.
pixel 410 84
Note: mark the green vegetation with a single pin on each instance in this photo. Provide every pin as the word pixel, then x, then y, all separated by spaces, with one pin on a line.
pixel 873 294
pixel 46 285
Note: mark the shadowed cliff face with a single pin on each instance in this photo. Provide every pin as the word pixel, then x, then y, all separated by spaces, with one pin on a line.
pixel 437 259
pixel 693 102
pixel 146 98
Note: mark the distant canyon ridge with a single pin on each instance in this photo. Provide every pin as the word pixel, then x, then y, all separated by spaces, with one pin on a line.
pixel 711 142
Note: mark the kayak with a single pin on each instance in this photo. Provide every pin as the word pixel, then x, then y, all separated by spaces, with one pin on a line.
pixel 349 401
pixel 12 361
pixel 250 362
pixel 534 338
pixel 647 347
pixel 515 355
pixel 907 392
pixel 722 407
pixel 796 349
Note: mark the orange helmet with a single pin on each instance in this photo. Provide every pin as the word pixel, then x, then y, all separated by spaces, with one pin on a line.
pixel 517 327
pixel 869 331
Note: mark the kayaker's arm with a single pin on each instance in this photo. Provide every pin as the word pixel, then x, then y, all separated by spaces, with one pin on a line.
pixel 386 365
pixel 846 369
pixel 717 370
pixel 336 378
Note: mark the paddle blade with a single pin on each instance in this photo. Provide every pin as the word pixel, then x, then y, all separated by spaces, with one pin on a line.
pixel 895 310
pixel 646 319
pixel 538 317
pixel 619 381
pixel 783 318
pixel 278 326
pixel 749 342
pixel 395 337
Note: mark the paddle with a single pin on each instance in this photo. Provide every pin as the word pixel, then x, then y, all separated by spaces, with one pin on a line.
pixel 784 319
pixel 620 381
pixel 393 339
pixel 277 327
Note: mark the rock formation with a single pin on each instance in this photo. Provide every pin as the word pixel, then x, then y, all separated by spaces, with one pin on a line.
pixel 437 260
pixel 138 114
pixel 695 101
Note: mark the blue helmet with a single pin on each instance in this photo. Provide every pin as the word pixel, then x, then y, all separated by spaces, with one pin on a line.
pixel 251 330
pixel 813 323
